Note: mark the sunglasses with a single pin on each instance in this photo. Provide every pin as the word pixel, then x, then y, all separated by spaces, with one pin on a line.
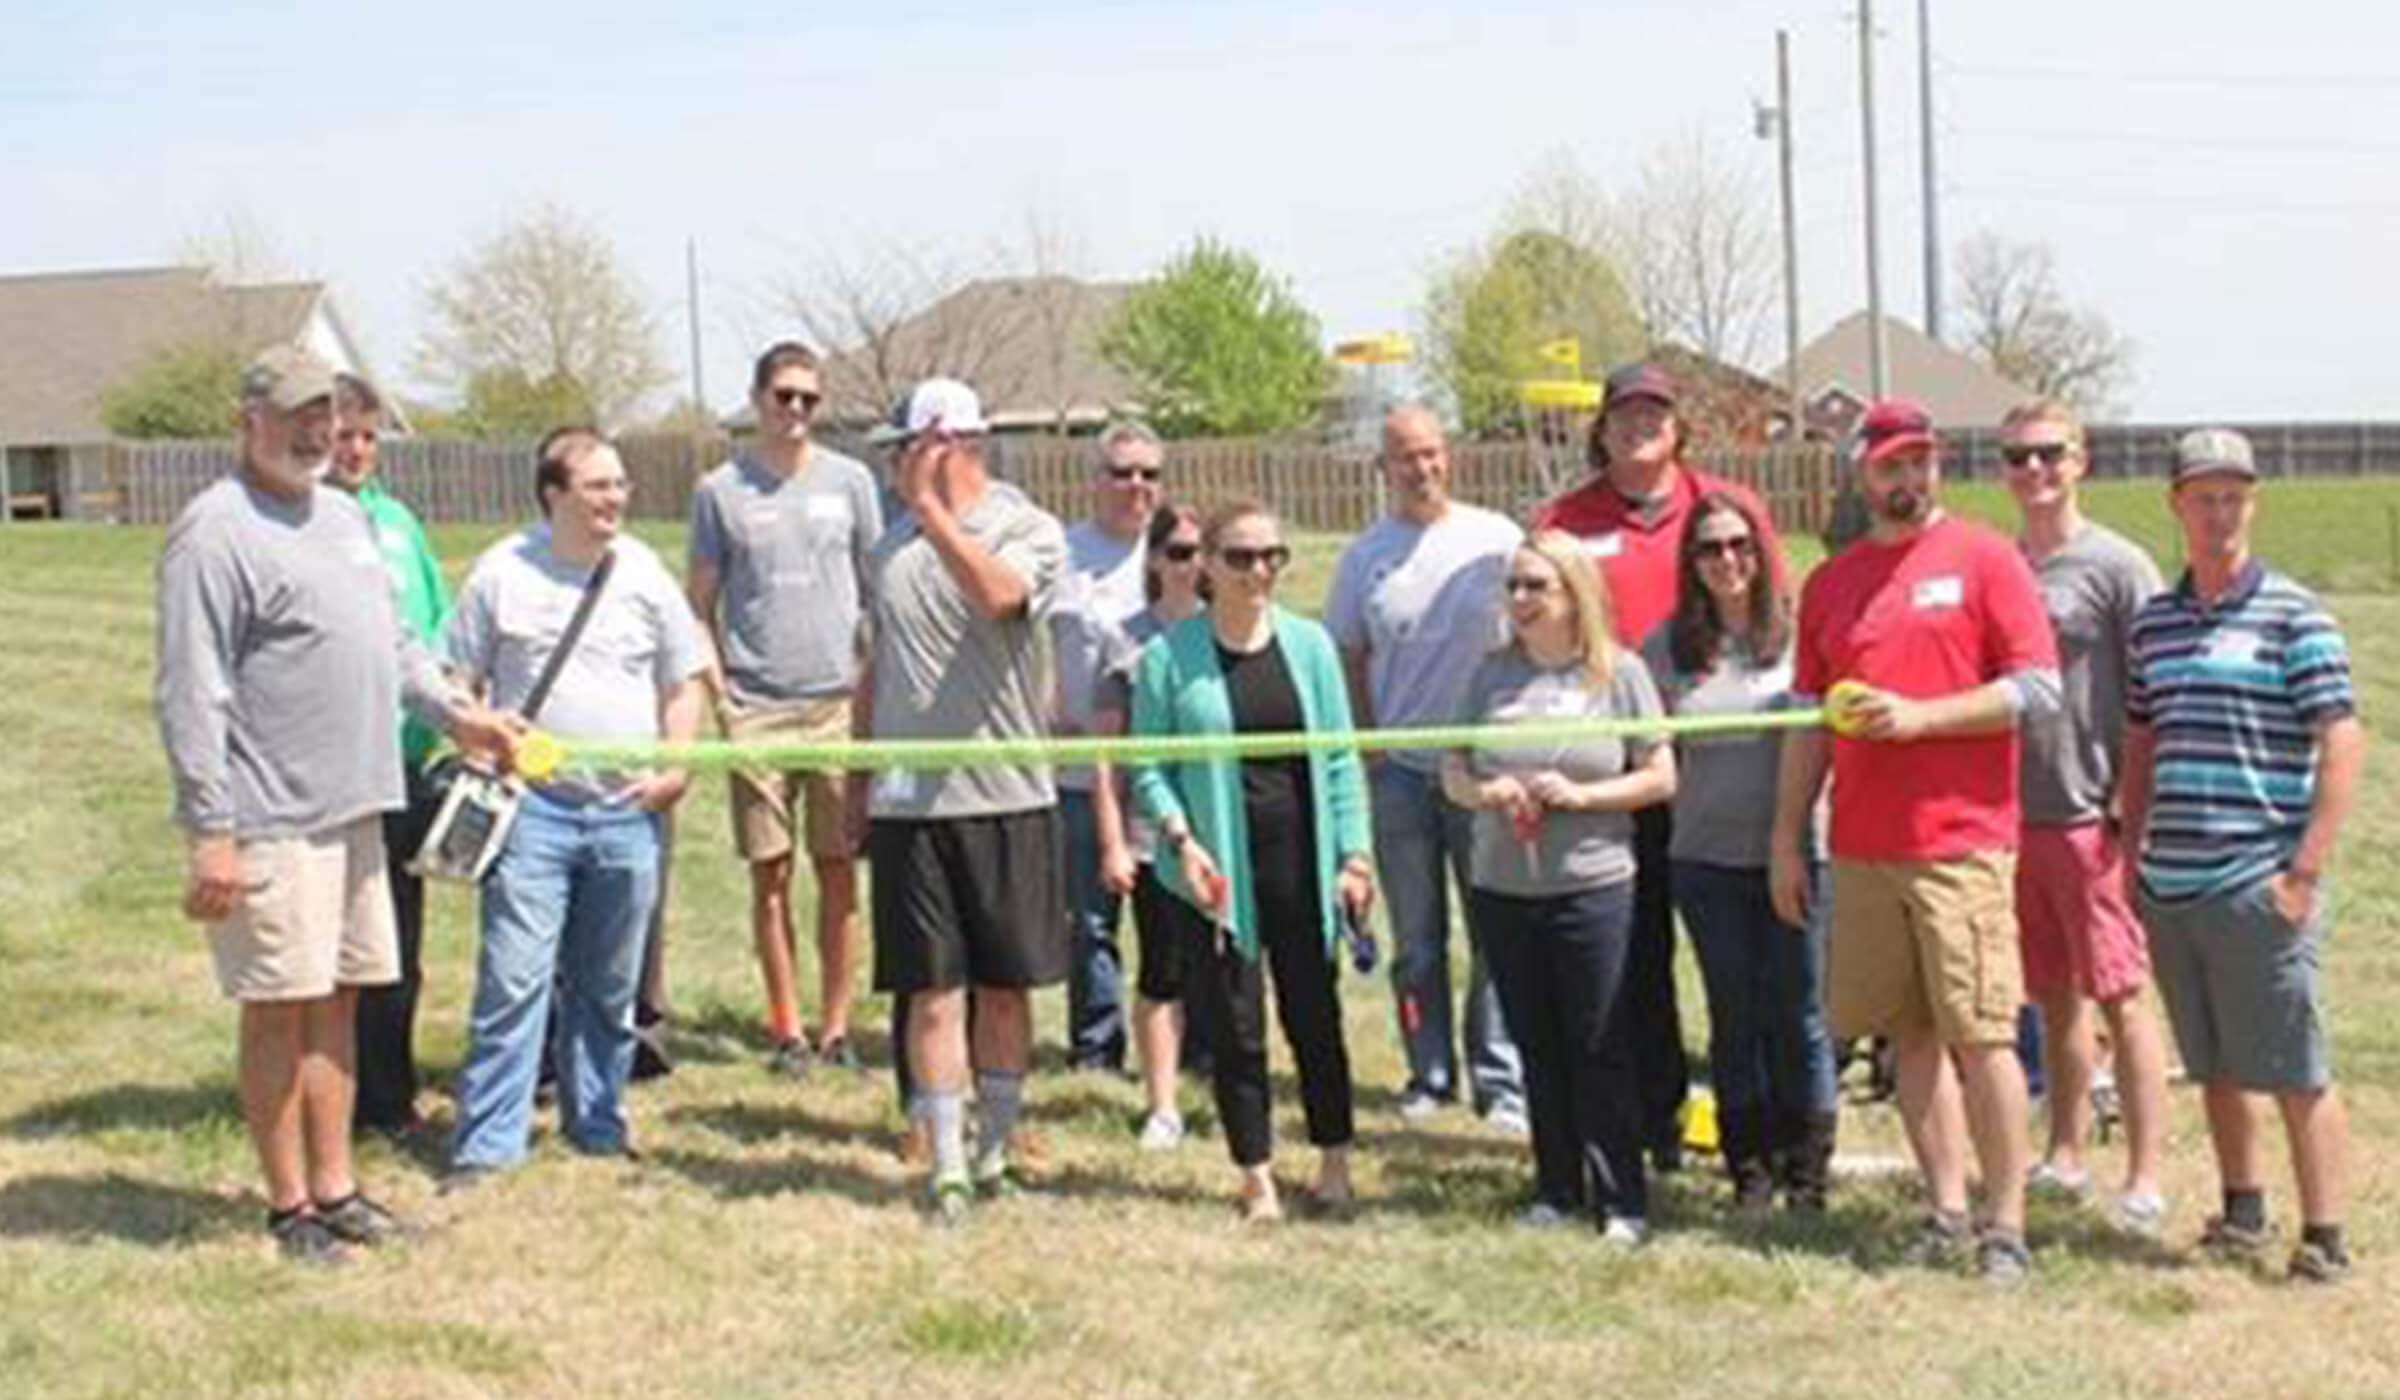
pixel 1178 553
pixel 2049 454
pixel 1742 545
pixel 806 400
pixel 1527 583
pixel 1242 559
pixel 1151 474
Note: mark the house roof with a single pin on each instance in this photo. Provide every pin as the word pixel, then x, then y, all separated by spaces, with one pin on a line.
pixel 66 337
pixel 1956 390
pixel 1029 345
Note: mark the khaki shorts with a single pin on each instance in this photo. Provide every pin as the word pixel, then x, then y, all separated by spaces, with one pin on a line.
pixel 316 914
pixel 1925 944
pixel 764 801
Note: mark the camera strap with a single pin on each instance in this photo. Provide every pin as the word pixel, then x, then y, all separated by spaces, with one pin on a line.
pixel 584 607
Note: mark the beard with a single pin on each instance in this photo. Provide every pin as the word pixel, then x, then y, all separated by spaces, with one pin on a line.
pixel 1901 506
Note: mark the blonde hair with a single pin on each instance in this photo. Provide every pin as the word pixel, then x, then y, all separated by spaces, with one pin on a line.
pixel 1589 592
pixel 2045 410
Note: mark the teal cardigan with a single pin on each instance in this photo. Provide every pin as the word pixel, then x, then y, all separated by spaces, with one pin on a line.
pixel 1180 689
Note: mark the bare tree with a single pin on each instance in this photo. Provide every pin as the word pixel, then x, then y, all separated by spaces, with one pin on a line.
pixel 2014 318
pixel 1694 240
pixel 876 313
pixel 541 317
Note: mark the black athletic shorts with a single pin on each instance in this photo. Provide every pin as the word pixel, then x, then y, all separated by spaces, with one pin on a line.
pixel 969 901
pixel 1172 934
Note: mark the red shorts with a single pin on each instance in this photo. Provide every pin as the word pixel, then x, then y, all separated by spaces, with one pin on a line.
pixel 2076 931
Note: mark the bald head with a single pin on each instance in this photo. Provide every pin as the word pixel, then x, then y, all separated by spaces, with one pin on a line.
pixel 1416 463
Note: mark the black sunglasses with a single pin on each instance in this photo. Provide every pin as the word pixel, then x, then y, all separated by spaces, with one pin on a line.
pixel 1179 553
pixel 806 400
pixel 1242 559
pixel 1736 544
pixel 2049 454
pixel 1527 583
pixel 1117 473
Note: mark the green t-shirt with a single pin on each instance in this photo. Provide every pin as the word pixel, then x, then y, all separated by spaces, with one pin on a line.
pixel 417 590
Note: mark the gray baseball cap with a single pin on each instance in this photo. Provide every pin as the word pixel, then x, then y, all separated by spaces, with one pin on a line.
pixel 2213 452
pixel 288 377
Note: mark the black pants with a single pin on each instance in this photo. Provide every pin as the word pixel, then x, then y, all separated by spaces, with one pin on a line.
pixel 1225 995
pixel 1656 1026
pixel 387 1015
pixel 1559 964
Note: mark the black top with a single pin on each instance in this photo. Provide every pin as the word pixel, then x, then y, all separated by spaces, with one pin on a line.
pixel 1275 791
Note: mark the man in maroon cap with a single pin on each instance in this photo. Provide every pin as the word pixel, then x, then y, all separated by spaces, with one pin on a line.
pixel 1630 516
pixel 1941 627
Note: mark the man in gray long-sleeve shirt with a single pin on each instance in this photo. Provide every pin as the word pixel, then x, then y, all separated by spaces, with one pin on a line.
pixel 281 661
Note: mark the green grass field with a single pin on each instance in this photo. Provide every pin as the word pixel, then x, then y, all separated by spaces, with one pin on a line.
pixel 768 1244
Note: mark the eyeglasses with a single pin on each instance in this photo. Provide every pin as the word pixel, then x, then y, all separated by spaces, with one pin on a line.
pixel 2049 454
pixel 1178 553
pixel 1242 559
pixel 1742 545
pixel 1527 583
pixel 1151 474
pixel 806 400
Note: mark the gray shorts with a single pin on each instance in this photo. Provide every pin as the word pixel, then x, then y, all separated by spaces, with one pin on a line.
pixel 2244 989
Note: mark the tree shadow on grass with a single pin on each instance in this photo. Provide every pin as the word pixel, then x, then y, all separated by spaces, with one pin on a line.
pixel 140 1107
pixel 112 1205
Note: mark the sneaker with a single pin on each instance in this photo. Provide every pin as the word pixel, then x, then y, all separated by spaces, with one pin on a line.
pixel 2003 1260
pixel 2047 1180
pixel 304 1239
pixel 1941 1242
pixel 1625 1232
pixel 2142 1213
pixel 1418 1105
pixel 2234 1243
pixel 997 1181
pixel 1542 1215
pixel 790 1059
pixel 1161 1132
pixel 842 1055
pixel 949 1201
pixel 356 1219
pixel 2314 1263
pixel 1508 1119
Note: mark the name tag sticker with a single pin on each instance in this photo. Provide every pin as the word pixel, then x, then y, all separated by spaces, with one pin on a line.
pixel 1947 591
pixel 1607 546
pixel 896 785
pixel 833 509
pixel 2233 649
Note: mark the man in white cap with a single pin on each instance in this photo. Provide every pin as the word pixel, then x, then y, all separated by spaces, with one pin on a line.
pixel 968 894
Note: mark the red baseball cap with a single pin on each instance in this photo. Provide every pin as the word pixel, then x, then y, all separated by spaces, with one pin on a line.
pixel 1893 426
pixel 1638 381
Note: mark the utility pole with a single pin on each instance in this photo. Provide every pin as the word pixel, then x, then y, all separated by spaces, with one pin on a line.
pixel 1791 233
pixel 1878 385
pixel 691 308
pixel 1933 217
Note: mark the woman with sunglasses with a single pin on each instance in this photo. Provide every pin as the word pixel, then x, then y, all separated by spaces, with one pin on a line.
pixel 1551 876
pixel 1173 582
pixel 1269 855
pixel 1726 651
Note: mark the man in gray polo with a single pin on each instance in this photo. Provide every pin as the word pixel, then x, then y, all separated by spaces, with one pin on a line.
pixel 777 574
pixel 967 890
pixel 1100 592
pixel 281 663
pixel 1416 602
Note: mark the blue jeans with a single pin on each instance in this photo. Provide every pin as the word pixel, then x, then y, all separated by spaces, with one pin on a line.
pixel 1418 835
pixel 1096 972
pixel 1769 1053
pixel 569 899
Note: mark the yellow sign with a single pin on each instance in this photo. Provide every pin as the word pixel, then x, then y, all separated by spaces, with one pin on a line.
pixel 1566 353
pixel 1558 393
pixel 1390 349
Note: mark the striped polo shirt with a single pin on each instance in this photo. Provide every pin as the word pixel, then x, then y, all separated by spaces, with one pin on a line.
pixel 2233 694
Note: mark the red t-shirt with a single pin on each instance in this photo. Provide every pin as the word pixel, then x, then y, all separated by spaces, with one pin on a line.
pixel 1636 553
pixel 1951 609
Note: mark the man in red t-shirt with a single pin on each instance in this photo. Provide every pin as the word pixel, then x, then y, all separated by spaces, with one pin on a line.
pixel 1941 624
pixel 1630 516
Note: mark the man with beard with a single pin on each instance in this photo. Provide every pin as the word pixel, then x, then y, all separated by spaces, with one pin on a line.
pixel 1938 627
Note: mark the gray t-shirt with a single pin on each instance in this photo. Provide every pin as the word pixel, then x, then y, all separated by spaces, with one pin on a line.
pixel 281 661
pixel 1574 851
pixel 1724 783
pixel 944 672
pixel 1100 591
pixel 641 643
pixel 2091 587
pixel 791 561
pixel 1425 603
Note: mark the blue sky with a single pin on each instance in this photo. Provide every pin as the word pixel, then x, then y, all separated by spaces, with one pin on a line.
pixel 2213 177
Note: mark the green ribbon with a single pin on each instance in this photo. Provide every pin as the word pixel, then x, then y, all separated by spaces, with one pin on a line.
pixel 883 755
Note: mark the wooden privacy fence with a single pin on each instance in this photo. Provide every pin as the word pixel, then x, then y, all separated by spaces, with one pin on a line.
pixel 1313 487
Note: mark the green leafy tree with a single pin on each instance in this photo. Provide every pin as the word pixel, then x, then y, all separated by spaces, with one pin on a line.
pixel 1491 311
pixel 187 391
pixel 1217 346
pixel 507 404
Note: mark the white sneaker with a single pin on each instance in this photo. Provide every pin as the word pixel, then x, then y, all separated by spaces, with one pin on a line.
pixel 1508 1118
pixel 1625 1232
pixel 1416 1106
pixel 1542 1215
pixel 1162 1132
pixel 2143 1214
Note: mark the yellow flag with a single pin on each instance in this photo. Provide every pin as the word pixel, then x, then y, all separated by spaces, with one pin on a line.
pixel 1566 352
